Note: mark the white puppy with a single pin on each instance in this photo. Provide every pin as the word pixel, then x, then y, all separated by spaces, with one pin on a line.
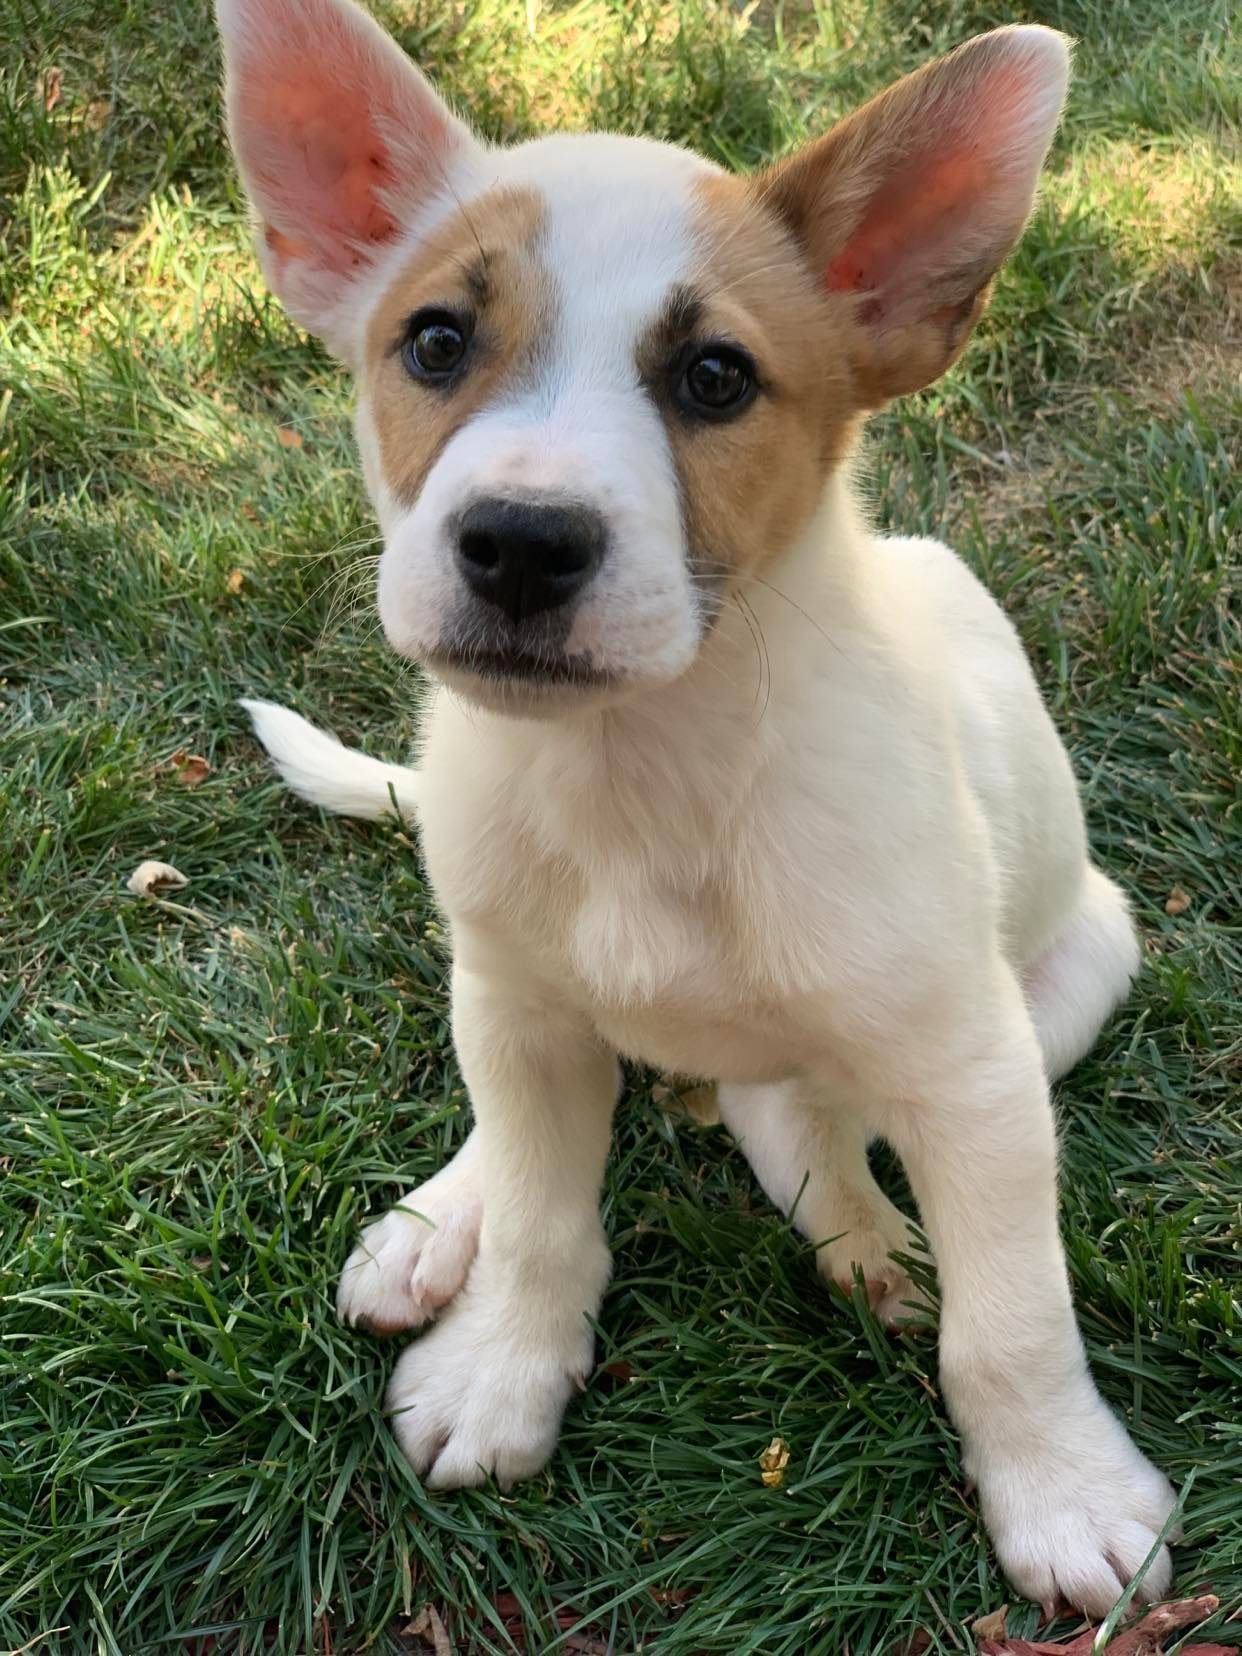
pixel 607 396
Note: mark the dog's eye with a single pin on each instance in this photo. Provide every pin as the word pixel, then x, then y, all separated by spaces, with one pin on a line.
pixel 435 345
pixel 717 380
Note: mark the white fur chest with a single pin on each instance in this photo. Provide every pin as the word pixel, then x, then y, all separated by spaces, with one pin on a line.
pixel 621 901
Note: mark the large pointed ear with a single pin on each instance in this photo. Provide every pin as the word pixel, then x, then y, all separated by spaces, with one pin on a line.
pixel 912 203
pixel 341 144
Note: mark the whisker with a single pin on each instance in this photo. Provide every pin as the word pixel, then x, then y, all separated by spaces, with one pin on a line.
pixel 785 598
pixel 711 580
pixel 764 681
pixel 337 577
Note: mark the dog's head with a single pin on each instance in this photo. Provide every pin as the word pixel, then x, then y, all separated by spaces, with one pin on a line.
pixel 600 381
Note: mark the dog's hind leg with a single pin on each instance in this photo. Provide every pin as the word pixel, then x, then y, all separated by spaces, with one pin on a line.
pixel 408 1265
pixel 810 1156
pixel 1076 983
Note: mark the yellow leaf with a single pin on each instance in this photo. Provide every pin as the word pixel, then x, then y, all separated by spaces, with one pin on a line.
pixel 772 1463
pixel 1177 902
pixel 190 768
pixel 995 1625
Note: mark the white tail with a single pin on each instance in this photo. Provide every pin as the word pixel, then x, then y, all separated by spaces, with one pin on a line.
pixel 325 772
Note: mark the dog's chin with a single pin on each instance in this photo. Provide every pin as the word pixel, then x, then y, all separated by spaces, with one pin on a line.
pixel 523 686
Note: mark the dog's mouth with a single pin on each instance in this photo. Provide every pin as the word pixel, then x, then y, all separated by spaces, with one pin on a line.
pixel 499 669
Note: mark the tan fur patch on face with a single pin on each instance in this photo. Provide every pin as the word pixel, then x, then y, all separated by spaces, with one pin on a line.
pixel 750 483
pixel 482 264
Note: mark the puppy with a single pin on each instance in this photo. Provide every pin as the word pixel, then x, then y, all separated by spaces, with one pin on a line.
pixel 607 399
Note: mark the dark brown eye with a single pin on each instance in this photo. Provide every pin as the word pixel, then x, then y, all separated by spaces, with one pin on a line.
pixel 717 380
pixel 435 345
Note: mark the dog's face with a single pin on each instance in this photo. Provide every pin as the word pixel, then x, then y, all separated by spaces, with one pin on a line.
pixel 585 417
pixel 601 382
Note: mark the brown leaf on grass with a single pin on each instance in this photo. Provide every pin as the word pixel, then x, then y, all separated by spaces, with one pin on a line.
pixel 288 438
pixel 582 1642
pixel 234 581
pixel 772 1463
pixel 428 1627
pixel 1079 1645
pixel 150 878
pixel 1145 1637
pixel 1178 901
pixel 51 89
pixel 992 1626
pixel 673 1597
pixel 620 1370
pixel 190 768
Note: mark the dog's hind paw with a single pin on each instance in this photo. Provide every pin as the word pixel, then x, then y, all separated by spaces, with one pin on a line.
pixel 408 1265
pixel 877 1230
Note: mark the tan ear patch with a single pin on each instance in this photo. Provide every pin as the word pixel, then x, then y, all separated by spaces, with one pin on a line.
pixel 483 263
pixel 750 484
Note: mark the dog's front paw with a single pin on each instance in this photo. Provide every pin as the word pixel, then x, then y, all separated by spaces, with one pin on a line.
pixel 1073 1520
pixel 410 1264
pixel 482 1394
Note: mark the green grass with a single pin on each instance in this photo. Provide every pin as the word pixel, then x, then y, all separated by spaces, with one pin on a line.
pixel 202 1097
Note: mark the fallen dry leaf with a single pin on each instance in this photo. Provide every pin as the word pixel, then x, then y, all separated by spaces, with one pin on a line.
pixel 583 1642
pixel 190 768
pixel 427 1625
pixel 1178 901
pixel 51 89
pixel 772 1463
pixel 1079 1645
pixel 150 878
pixel 1145 1637
pixel 673 1597
pixel 620 1370
pixel 234 581
pixel 992 1626
pixel 288 438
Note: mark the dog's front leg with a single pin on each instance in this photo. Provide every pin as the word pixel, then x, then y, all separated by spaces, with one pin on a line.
pixel 483 1393
pixel 1071 1505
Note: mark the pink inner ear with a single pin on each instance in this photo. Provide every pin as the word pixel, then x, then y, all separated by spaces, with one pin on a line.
pixel 933 207
pixel 906 222
pixel 328 164
pixel 331 125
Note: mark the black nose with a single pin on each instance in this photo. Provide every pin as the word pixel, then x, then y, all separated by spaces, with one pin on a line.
pixel 525 556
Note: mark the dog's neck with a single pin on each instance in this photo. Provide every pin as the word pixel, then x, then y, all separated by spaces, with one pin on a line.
pixel 656 780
